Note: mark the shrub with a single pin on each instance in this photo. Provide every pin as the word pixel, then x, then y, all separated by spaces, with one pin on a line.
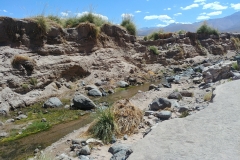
pixel 205 29
pixel 105 126
pixel 154 50
pixel 236 42
pixel 145 38
pixel 33 81
pixel 181 32
pixel 127 116
pixel 207 96
pixel 235 66
pixel 153 36
pixel 159 35
pixel 128 23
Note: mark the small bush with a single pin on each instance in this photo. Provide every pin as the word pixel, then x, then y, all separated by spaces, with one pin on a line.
pixel 128 23
pixel 105 126
pixel 127 116
pixel 205 29
pixel 145 38
pixel 181 32
pixel 154 50
pixel 207 96
pixel 235 66
pixel 33 81
pixel 25 86
pixel 236 42
pixel 184 114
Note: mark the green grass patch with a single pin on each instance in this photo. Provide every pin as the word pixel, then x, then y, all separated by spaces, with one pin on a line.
pixel 104 126
pixel 127 22
pixel 235 66
pixel 154 50
pixel 35 114
pixel 205 29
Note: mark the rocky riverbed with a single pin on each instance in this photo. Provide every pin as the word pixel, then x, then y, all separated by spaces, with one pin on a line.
pixel 69 64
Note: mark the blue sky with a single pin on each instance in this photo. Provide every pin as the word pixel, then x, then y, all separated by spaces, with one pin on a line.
pixel 146 13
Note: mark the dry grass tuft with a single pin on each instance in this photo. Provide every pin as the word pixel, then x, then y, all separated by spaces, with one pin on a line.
pixel 127 116
pixel 207 96
pixel 20 59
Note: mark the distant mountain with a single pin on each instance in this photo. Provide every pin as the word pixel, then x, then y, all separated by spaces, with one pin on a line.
pixel 226 24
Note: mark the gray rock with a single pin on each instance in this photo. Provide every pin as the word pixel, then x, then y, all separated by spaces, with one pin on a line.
pixel 175 95
pixel 175 104
pixel 217 72
pixel 10 121
pixel 21 116
pixel 76 141
pixel 123 84
pixel 68 85
pixel 110 91
pixel 52 103
pixel 125 137
pixel 121 155
pixel 63 156
pixel 197 80
pixel 82 102
pixel 114 139
pixel 82 157
pixel 235 75
pixel 90 87
pixel 3 134
pixel 118 147
pixel 182 109
pixel 147 113
pixel 44 120
pixel 85 150
pixel 159 103
pixel 167 85
pixel 94 92
pixel 164 115
pixel 152 86
pixel 58 84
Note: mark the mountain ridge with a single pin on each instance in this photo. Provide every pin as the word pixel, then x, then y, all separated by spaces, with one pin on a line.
pixel 229 23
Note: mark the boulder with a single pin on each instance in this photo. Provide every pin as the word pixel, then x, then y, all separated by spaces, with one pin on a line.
pixel 123 84
pixel 4 134
pixel 159 103
pixel 85 150
pixel 120 151
pixel 175 95
pixel 52 103
pixel 21 116
pixel 164 115
pixel 152 86
pixel 90 87
pixel 82 157
pixel 94 92
pixel 197 80
pixel 147 113
pixel 217 72
pixel 82 102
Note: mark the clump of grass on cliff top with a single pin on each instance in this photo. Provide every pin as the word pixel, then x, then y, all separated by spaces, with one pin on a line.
pixel 85 17
pixel 159 35
pixel 236 42
pixel 127 22
pixel 205 29
pixel 42 24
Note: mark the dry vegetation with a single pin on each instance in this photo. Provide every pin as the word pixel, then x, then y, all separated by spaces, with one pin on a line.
pixel 20 59
pixel 127 116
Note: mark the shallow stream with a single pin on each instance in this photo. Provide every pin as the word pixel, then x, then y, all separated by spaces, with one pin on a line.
pixel 23 148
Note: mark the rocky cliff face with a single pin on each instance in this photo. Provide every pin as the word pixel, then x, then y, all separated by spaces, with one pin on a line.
pixel 36 64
